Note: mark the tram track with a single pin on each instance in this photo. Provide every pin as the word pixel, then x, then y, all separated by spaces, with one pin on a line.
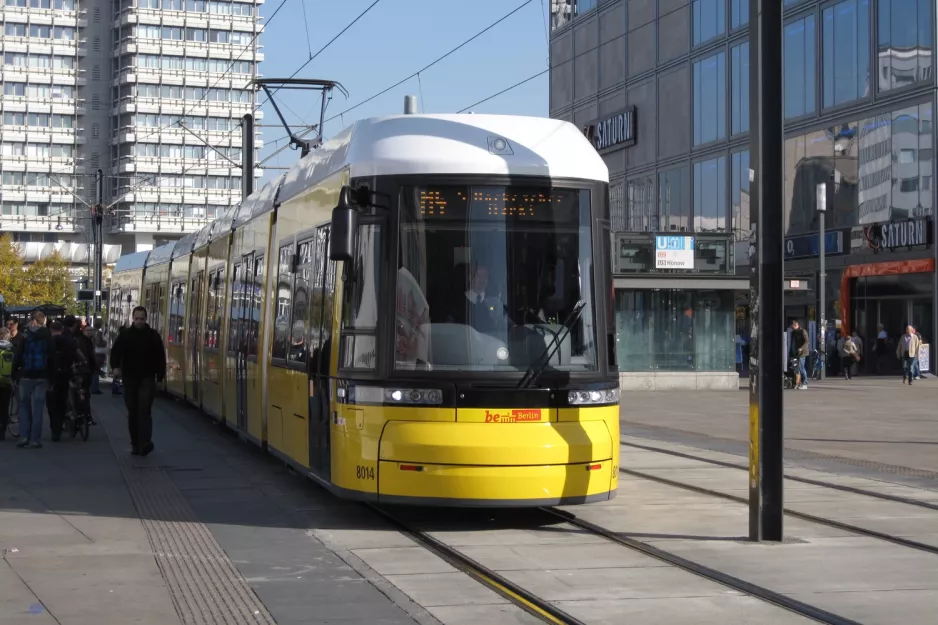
pixel 793 478
pixel 549 613
pixel 754 590
pixel 521 597
pixel 812 518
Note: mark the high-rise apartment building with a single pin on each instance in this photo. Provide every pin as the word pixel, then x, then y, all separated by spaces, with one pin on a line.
pixel 151 92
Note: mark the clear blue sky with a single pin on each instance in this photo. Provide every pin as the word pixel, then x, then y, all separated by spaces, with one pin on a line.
pixel 393 40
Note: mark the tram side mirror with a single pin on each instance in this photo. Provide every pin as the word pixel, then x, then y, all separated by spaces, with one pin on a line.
pixel 344 232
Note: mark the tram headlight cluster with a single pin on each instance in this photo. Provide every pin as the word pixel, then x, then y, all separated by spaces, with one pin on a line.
pixel 595 397
pixel 418 396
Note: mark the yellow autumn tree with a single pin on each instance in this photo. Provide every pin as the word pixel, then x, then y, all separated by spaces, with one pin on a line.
pixel 49 282
pixel 46 281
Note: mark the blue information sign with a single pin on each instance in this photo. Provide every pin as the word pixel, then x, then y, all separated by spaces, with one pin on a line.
pixel 673 243
pixel 809 245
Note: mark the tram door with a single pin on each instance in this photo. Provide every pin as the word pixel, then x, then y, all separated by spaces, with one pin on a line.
pixel 320 352
pixel 244 293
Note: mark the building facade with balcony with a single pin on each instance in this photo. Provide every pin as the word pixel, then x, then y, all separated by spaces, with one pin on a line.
pixel 662 87
pixel 150 92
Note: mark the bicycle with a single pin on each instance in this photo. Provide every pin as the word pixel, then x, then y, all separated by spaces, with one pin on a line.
pixel 76 420
pixel 819 363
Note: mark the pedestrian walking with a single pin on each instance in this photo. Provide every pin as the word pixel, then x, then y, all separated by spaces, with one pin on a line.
pixel 33 368
pixel 916 367
pixel 800 346
pixel 138 358
pixel 848 355
pixel 907 352
pixel 6 380
pixel 66 357
pixel 85 341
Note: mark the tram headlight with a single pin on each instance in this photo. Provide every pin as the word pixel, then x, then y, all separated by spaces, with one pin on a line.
pixel 593 397
pixel 413 396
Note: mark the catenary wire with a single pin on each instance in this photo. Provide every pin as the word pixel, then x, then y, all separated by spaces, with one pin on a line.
pixel 428 66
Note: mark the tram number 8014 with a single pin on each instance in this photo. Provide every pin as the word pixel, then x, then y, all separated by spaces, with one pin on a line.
pixel 365 472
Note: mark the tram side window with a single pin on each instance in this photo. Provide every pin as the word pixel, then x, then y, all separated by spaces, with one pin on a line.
pixel 282 317
pixel 360 309
pixel 257 296
pixel 195 313
pixel 177 313
pixel 298 345
pixel 234 314
pixel 160 307
pixel 210 317
pixel 321 304
pixel 131 303
pixel 114 315
pixel 220 287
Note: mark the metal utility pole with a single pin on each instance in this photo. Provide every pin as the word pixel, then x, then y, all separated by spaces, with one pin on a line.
pixel 766 272
pixel 822 282
pixel 247 156
pixel 97 217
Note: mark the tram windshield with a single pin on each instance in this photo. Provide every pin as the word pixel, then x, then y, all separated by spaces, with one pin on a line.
pixel 488 275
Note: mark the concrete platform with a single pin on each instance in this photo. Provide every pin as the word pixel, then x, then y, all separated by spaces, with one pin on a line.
pixel 868 423
pixel 209 530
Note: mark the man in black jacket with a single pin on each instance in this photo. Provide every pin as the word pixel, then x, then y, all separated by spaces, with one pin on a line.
pixel 139 359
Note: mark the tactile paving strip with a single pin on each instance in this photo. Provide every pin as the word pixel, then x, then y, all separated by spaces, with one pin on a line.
pixel 204 584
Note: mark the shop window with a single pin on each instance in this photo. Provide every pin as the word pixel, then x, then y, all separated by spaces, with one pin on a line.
pixel 739 85
pixel 739 14
pixel 674 199
pixel 710 99
pixel 905 42
pixel 709 20
pixel 641 212
pixel 896 158
pixel 710 195
pixel 798 67
pixel 675 330
pixel 846 52
pixel 740 200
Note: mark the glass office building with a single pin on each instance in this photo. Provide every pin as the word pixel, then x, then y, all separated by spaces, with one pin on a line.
pixel 663 90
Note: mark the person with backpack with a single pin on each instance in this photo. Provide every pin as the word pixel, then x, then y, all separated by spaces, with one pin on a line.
pixel 33 368
pixel 139 359
pixel 6 380
pixel 67 358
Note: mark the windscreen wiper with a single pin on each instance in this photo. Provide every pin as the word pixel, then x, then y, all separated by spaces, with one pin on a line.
pixel 538 366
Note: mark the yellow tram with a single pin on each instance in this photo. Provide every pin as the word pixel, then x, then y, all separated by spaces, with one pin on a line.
pixel 418 312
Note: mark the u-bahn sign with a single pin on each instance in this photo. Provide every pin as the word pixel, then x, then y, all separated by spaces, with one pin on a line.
pixel 617 130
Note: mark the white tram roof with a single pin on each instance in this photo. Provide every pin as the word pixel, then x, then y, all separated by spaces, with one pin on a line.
pixel 184 245
pixel 161 254
pixel 451 144
pixel 129 262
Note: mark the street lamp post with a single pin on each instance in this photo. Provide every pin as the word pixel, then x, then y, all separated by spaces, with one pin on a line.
pixel 822 282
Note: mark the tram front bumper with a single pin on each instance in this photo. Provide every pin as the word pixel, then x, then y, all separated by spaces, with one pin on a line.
pixel 514 465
